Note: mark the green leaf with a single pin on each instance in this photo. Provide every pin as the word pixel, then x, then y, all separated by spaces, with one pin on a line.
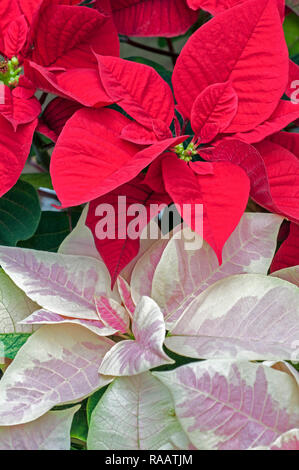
pixel 291 32
pixel 295 59
pixel 19 214
pixel 38 180
pixel 93 401
pixel 10 344
pixel 119 110
pixel 52 230
pixel 179 361
pixel 79 428
pixel 39 150
pixel 162 71
pixel 162 42
pixel 203 17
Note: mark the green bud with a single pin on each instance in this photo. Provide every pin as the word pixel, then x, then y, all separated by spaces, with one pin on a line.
pixel 185 154
pixel 14 61
pixel 10 72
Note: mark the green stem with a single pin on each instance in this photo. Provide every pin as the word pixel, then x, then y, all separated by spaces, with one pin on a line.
pixel 172 51
pixel 154 50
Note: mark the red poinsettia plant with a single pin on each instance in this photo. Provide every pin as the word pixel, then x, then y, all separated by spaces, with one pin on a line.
pixel 182 183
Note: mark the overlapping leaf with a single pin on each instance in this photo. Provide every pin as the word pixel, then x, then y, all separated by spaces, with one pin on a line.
pixel 58 364
pixel 117 220
pixel 14 150
pixel 82 30
pixel 144 270
pixel 282 168
pixel 126 295
pixel 288 253
pixel 249 249
pixel 152 17
pixel 68 84
pixel 15 36
pixel 145 352
pixel 20 214
pixel 49 432
pixel 80 241
pixel 294 5
pixel 215 55
pixel 287 441
pixel 219 6
pixel 229 405
pixel 288 274
pixel 288 140
pixel 213 110
pixel 14 307
pixel 129 412
pixel 273 171
pixel 55 116
pixel 285 113
pixel 221 188
pixel 60 283
pixel 112 314
pixel 52 229
pixel 45 317
pixel 256 319
pixel 100 148
pixel 10 343
pixel 138 89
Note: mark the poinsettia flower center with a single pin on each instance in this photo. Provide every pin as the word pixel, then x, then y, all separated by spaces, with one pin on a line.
pixel 187 153
pixel 10 71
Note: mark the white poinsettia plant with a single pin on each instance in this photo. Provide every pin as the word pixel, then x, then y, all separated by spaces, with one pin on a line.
pixel 187 354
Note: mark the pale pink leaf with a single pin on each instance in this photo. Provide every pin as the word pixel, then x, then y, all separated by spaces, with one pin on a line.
pixel 256 318
pixel 288 274
pixel 126 295
pixel 286 367
pixel 49 432
pixel 231 405
pixel 146 241
pixel 112 314
pixel 144 269
pixel 58 364
pixel 145 352
pixel 135 413
pixel 143 272
pixel 287 441
pixel 60 283
pixel 45 317
pixel 80 241
pixel 14 306
pixel 185 270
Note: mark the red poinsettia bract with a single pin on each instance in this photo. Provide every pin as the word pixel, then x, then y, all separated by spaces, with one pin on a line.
pixel 31 42
pixel 163 17
pixel 228 82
